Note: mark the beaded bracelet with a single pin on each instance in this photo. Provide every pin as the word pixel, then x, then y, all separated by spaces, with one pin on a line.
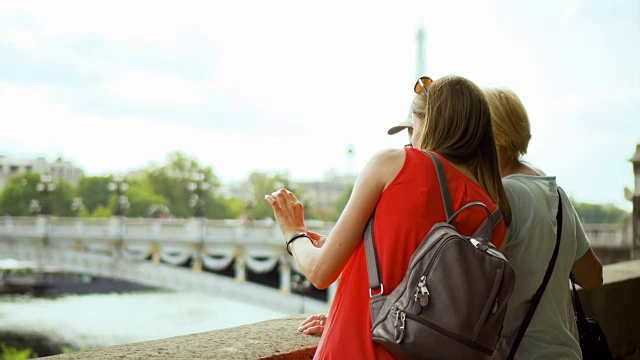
pixel 297 236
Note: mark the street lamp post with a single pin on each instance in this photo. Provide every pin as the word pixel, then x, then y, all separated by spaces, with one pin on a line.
pixel 34 206
pixel 119 186
pixel 248 218
pixel 77 205
pixel 300 283
pixel 199 187
pixel 45 186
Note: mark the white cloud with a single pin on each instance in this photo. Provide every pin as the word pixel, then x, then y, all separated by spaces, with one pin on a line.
pixel 154 88
pixel 570 11
pixel 343 71
pixel 23 40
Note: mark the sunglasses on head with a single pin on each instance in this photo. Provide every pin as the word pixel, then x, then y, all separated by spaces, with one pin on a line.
pixel 422 85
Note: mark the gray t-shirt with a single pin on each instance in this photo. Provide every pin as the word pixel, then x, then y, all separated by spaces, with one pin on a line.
pixel 529 246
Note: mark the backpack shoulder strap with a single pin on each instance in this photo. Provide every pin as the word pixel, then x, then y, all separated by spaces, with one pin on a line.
pixel 484 234
pixel 444 184
pixel 373 269
pixel 538 295
pixel 485 228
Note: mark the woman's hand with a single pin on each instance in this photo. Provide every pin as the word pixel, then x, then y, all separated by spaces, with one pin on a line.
pixel 288 211
pixel 314 324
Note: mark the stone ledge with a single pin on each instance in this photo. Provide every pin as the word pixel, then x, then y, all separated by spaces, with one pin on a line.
pixel 614 306
pixel 273 339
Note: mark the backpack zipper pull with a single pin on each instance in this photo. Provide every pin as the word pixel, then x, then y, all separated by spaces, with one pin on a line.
pixel 422 292
pixel 402 319
pixel 422 285
pixel 393 309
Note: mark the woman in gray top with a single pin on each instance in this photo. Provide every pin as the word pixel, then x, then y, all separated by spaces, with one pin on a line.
pixel 531 239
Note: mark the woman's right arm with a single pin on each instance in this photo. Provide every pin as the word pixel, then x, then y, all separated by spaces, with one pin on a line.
pixel 587 270
pixel 323 265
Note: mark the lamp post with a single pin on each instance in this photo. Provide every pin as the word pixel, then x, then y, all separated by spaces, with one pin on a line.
pixel 45 186
pixel 34 206
pixel 119 186
pixel 247 218
pixel 300 284
pixel 199 187
pixel 77 205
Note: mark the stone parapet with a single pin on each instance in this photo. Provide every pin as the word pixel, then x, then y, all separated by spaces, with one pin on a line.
pixel 615 306
pixel 273 339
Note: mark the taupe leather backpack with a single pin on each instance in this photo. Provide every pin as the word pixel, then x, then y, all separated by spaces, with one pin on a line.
pixel 452 301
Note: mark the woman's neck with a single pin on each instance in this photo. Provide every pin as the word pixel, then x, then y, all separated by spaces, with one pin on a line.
pixel 517 167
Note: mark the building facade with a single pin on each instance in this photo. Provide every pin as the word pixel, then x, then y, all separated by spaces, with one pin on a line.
pixel 59 169
pixel 323 194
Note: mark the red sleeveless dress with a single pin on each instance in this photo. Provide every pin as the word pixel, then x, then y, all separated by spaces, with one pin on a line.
pixel 407 210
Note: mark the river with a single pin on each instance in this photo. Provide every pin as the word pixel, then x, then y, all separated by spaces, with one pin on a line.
pixel 98 320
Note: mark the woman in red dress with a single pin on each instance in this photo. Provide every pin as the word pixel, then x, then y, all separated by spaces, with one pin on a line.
pixel 453 120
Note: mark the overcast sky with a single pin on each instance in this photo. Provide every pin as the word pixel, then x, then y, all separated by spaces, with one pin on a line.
pixel 290 86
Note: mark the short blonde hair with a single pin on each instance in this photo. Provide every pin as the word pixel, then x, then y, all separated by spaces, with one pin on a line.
pixel 510 123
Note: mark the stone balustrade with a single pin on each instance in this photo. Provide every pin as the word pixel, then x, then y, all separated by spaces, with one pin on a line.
pixel 159 253
pixel 139 229
pixel 615 306
pixel 213 231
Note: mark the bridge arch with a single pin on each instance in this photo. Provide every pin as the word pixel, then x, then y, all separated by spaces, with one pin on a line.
pixel 121 255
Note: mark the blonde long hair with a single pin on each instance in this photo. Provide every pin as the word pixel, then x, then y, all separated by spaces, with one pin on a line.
pixel 457 125
pixel 510 124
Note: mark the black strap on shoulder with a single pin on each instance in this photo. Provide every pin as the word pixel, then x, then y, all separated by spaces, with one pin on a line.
pixel 373 267
pixel 487 225
pixel 483 234
pixel 444 185
pixel 538 295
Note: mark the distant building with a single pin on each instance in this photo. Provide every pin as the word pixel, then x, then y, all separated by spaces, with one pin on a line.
pixel 323 194
pixel 240 189
pixel 59 169
pixel 319 194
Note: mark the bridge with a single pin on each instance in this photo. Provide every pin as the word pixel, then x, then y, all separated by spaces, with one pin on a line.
pixel 216 257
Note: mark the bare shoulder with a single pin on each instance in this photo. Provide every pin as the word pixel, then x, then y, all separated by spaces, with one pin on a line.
pixel 386 164
pixel 389 156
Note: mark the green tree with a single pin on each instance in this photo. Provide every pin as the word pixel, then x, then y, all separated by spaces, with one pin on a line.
pixel 22 191
pixel 141 198
pixel 102 211
pixel 94 191
pixel 220 207
pixel 599 213
pixel 60 199
pixel 261 184
pixel 172 179
pixel 18 194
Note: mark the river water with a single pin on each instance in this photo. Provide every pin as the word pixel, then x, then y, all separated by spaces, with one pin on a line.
pixel 98 320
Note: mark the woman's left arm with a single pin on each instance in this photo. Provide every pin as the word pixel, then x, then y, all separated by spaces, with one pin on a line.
pixel 322 266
